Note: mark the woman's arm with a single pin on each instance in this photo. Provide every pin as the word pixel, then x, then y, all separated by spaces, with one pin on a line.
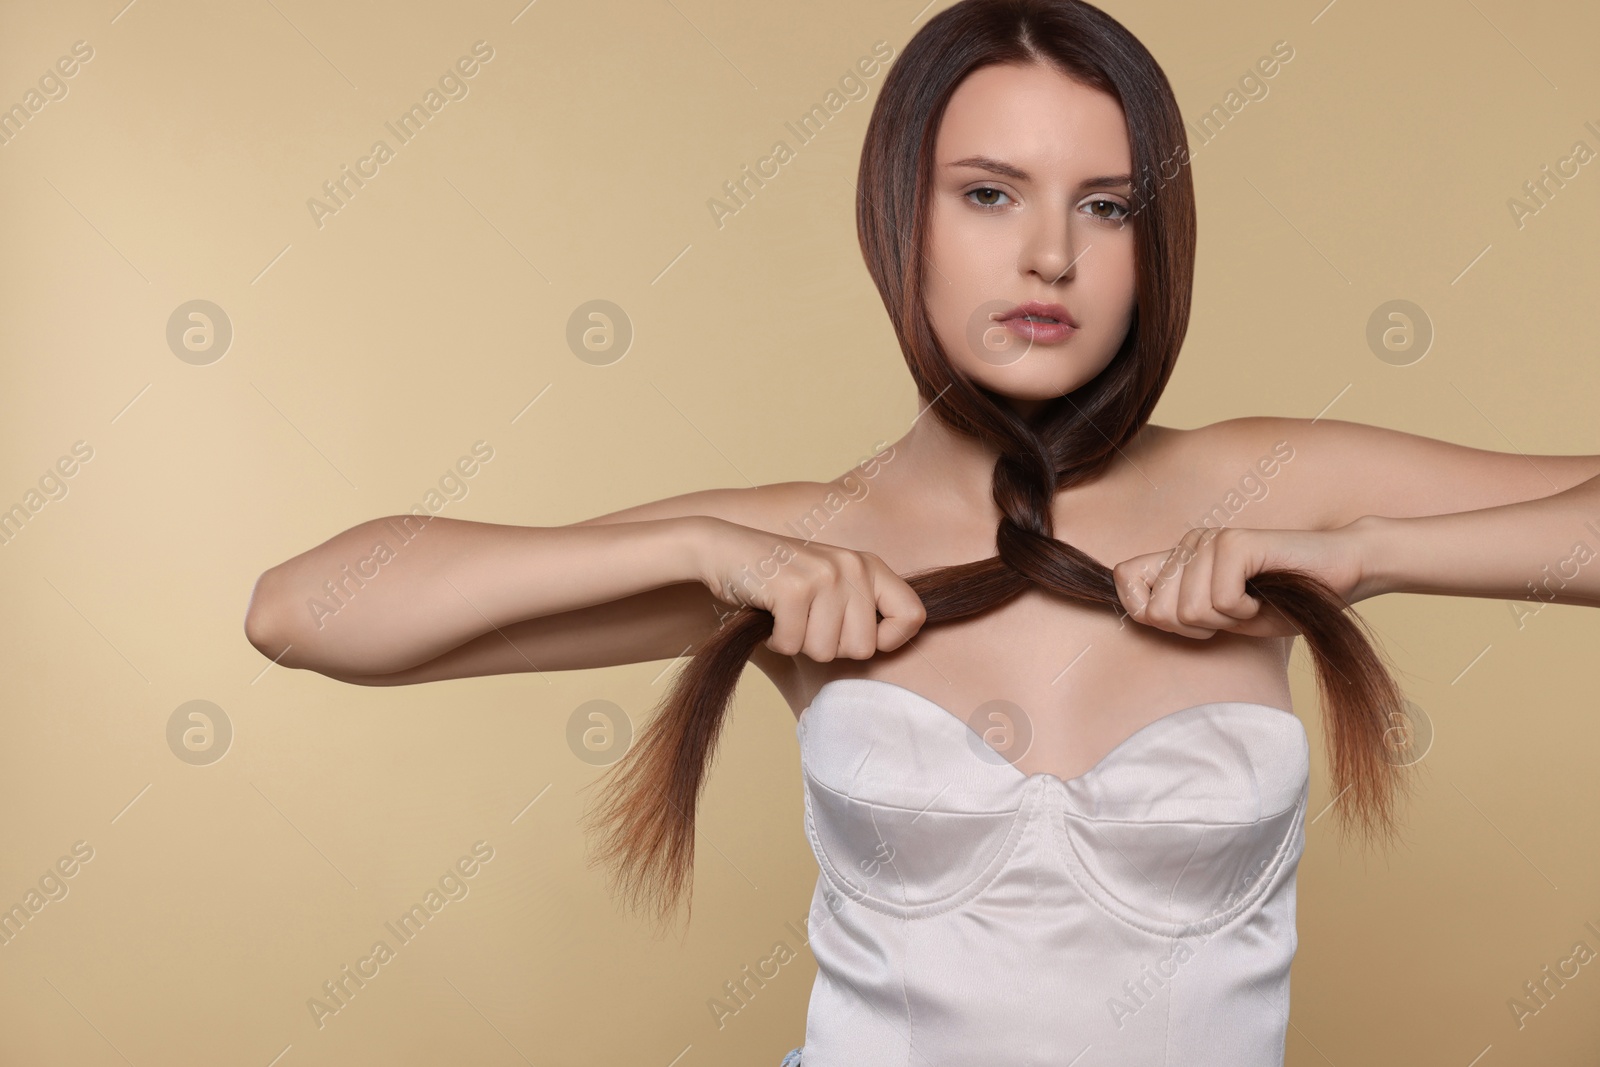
pixel 450 598
pixel 1544 549
pixel 661 624
pixel 387 595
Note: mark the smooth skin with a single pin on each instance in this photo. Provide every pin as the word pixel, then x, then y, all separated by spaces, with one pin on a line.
pixel 1016 215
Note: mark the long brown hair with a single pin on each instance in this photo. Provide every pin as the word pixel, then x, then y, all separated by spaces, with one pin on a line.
pixel 646 816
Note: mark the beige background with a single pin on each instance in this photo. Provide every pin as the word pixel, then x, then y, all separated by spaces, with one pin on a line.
pixel 431 311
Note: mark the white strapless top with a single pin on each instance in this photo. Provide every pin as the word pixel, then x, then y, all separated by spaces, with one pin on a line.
pixel 968 914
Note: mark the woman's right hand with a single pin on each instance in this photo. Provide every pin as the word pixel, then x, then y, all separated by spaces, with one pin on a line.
pixel 825 600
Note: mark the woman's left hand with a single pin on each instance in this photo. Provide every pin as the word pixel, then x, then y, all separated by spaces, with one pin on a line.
pixel 1197 587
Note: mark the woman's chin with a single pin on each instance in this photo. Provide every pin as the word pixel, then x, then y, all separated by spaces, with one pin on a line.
pixel 1029 386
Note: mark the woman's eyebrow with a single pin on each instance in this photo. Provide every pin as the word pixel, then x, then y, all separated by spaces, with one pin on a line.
pixel 1006 170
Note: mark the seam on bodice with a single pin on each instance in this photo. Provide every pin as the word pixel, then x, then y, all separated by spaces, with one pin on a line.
pixel 1107 901
pixel 1020 820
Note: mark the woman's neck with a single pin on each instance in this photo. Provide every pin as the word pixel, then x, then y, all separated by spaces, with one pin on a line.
pixel 949 466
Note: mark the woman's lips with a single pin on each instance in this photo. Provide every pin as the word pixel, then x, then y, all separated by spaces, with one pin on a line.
pixel 1039 333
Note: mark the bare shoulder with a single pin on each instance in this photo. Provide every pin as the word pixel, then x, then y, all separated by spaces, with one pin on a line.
pixel 1192 457
pixel 1236 472
pixel 1322 473
pixel 1218 447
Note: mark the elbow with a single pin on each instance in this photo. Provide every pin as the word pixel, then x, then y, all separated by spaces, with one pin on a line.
pixel 263 622
pixel 269 632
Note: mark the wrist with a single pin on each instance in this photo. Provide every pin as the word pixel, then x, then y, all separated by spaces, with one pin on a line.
pixel 1374 540
pixel 693 539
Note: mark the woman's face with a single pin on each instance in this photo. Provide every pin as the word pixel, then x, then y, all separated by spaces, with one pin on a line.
pixel 1030 202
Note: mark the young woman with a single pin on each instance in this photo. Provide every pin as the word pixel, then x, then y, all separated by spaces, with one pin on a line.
pixel 1058 806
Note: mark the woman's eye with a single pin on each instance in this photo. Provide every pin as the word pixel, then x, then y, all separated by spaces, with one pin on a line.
pixel 1120 212
pixel 980 192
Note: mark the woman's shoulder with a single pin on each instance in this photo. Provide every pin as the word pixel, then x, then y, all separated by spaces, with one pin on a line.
pixel 1218 446
pixel 1232 464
